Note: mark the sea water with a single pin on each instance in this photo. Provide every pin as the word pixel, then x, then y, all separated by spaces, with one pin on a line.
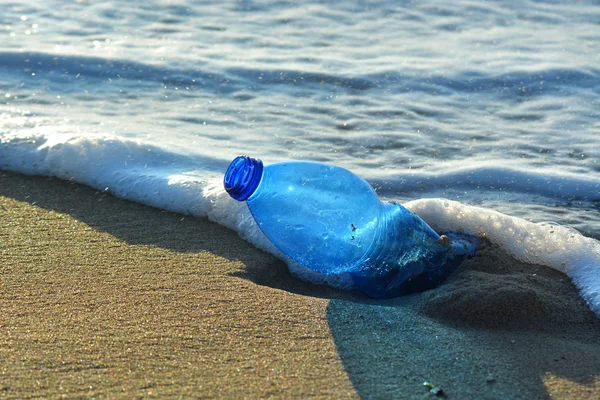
pixel 494 107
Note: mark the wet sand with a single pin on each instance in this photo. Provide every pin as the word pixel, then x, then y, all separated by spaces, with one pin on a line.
pixel 101 297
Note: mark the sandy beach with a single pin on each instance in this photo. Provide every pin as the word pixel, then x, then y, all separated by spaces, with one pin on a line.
pixel 105 298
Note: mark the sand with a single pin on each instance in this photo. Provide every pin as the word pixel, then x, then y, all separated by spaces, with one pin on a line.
pixel 105 298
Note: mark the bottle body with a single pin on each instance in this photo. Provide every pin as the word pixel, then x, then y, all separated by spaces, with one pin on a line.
pixel 331 221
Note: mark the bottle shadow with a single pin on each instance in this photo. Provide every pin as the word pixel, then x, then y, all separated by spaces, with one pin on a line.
pixel 497 329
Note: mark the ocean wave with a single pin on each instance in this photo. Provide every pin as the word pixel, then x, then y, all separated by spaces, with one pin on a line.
pixel 484 177
pixel 78 68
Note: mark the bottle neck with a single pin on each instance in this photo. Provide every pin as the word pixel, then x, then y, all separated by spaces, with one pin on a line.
pixel 243 177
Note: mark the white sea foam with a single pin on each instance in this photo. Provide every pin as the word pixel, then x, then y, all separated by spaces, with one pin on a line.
pixel 181 184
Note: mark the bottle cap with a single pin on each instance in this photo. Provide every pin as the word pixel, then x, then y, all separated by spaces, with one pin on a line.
pixel 242 177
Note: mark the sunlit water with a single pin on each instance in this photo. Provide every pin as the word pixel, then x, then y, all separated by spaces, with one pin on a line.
pixel 490 104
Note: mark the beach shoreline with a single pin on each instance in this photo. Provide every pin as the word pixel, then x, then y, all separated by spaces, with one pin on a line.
pixel 102 297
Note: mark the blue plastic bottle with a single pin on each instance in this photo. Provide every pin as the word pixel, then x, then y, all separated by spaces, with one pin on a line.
pixel 329 220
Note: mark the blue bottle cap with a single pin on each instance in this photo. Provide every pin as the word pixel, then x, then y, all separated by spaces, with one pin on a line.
pixel 242 177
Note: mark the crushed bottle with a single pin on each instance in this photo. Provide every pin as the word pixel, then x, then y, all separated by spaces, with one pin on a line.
pixel 328 219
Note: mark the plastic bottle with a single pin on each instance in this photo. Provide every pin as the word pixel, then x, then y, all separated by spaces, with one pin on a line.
pixel 331 221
